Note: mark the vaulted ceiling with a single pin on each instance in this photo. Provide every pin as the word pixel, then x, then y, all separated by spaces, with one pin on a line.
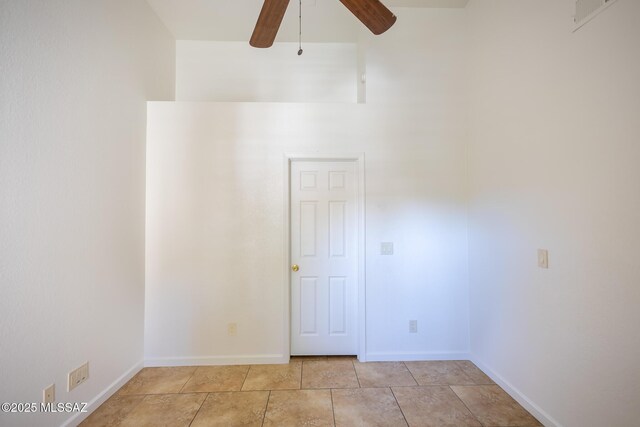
pixel 233 20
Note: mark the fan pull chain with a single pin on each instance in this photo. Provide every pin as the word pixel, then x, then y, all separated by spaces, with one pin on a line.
pixel 300 28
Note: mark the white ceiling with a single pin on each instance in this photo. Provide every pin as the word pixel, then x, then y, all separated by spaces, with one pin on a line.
pixel 233 20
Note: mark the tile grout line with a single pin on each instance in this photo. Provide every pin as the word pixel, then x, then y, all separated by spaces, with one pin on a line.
pixel 411 373
pixel 171 393
pixel 447 385
pixel 333 409
pixel 465 405
pixel 188 379
pixel 356 372
pixel 264 416
pixel 245 377
pixel 399 407
pixel 501 389
pixel 198 411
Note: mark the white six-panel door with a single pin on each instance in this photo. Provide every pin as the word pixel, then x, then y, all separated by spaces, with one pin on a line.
pixel 324 249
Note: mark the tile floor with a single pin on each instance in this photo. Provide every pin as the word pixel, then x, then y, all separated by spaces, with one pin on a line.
pixel 313 391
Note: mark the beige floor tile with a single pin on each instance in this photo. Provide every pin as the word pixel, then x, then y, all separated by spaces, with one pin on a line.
pixel 294 408
pixel 383 374
pixel 232 409
pixel 329 374
pixel 216 378
pixel 113 411
pixel 472 371
pixel 158 380
pixel 494 407
pixel 172 396
pixel 370 407
pixel 165 410
pixel 274 377
pixel 433 406
pixel 438 373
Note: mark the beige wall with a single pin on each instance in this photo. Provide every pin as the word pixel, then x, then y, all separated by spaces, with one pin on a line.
pixel 75 76
pixel 554 164
pixel 215 208
pixel 234 71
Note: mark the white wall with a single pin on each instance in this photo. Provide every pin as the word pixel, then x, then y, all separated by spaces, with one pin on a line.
pixel 75 76
pixel 235 71
pixel 215 209
pixel 554 164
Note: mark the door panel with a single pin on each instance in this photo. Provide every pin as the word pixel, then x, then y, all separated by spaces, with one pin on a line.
pixel 337 229
pixel 308 304
pixel 308 228
pixel 337 305
pixel 324 245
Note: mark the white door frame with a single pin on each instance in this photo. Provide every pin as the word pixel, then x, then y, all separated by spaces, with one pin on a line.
pixel 358 159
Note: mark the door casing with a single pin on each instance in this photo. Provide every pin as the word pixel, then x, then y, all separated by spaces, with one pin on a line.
pixel 359 160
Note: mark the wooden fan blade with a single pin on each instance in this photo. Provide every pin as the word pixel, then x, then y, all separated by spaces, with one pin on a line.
pixel 373 14
pixel 268 23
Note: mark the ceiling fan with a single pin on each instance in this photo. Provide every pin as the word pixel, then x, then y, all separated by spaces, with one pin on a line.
pixel 373 14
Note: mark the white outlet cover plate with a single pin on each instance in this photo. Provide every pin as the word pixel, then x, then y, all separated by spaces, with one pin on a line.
pixel 49 394
pixel 78 376
pixel 386 248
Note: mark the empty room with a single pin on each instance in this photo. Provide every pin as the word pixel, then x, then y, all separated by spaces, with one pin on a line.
pixel 349 213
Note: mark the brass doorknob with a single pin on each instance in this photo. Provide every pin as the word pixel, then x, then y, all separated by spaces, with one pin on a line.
pixel 295 267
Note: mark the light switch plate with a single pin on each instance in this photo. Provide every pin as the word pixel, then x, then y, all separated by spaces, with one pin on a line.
pixel 413 326
pixel 386 248
pixel 232 329
pixel 543 258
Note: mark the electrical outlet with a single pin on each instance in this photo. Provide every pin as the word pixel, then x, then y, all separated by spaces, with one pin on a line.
pixel 543 258
pixel 386 248
pixel 78 376
pixel 49 394
pixel 413 326
pixel 232 329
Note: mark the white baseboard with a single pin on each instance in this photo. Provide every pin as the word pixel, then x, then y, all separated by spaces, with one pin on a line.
pixel 103 396
pixel 520 397
pixel 412 356
pixel 261 359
